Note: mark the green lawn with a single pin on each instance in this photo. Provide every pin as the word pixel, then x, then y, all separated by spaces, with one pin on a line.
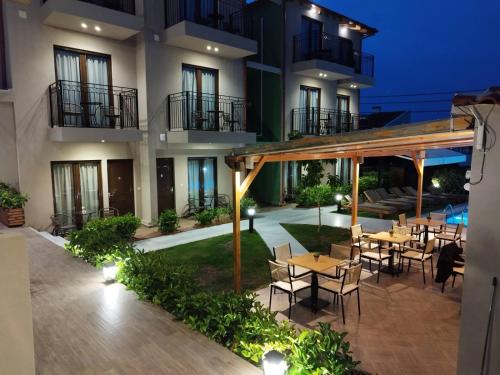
pixel 309 237
pixel 213 259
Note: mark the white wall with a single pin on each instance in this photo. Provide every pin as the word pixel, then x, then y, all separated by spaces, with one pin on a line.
pixel 31 48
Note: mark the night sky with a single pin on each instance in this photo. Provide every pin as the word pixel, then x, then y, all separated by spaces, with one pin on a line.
pixel 427 46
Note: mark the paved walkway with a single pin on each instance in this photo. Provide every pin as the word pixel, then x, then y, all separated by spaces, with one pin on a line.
pixel 83 326
pixel 269 228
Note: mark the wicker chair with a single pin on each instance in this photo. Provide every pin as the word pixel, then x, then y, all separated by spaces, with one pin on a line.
pixel 282 253
pixel 419 255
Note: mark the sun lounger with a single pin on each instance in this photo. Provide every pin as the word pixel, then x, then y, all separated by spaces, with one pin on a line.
pixel 374 197
pixel 438 198
pixel 401 194
pixel 380 209
pixel 385 195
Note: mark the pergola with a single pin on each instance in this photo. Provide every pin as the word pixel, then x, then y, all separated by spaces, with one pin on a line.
pixel 405 140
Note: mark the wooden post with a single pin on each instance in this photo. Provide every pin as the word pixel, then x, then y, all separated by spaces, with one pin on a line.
pixel 355 192
pixel 236 230
pixel 419 165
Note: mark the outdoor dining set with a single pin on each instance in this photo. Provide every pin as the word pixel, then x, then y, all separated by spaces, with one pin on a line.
pixel 408 241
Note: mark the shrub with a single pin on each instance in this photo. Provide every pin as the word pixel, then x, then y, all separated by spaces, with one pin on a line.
pixel 450 180
pixel 309 196
pixel 101 238
pixel 221 213
pixel 168 221
pixel 314 173
pixel 11 198
pixel 206 217
pixel 245 204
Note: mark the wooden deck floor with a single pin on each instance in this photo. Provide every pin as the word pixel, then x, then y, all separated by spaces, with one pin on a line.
pixel 404 328
pixel 82 326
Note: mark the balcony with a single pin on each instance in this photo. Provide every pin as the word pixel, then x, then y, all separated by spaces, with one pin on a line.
pixel 331 57
pixel 207 118
pixel 115 19
pixel 219 27
pixel 322 121
pixel 87 112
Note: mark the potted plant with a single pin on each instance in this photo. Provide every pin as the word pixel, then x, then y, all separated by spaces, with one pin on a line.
pixel 11 206
pixel 391 232
pixel 316 256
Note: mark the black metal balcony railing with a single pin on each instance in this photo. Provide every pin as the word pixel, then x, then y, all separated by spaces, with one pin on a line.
pixel 332 48
pixel 226 15
pixel 126 6
pixel 90 105
pixel 322 121
pixel 189 110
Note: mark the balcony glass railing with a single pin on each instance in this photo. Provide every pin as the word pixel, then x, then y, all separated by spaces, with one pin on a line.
pixel 225 15
pixel 332 48
pixel 189 110
pixel 126 6
pixel 89 105
pixel 322 121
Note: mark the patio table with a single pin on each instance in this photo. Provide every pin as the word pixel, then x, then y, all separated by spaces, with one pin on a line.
pixel 321 265
pixel 426 223
pixel 396 238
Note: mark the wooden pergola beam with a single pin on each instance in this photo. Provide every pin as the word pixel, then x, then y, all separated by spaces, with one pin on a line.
pixel 355 190
pixel 418 161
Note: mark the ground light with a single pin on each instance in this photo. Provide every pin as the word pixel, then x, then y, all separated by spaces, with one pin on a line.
pixel 251 214
pixel 338 198
pixel 436 183
pixel 274 363
pixel 109 271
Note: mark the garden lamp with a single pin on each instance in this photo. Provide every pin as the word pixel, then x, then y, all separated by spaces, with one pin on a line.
pixel 109 271
pixel 251 214
pixel 274 363
pixel 338 198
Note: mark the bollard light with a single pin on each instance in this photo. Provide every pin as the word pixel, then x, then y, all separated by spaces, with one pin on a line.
pixel 274 363
pixel 109 271
pixel 338 198
pixel 251 214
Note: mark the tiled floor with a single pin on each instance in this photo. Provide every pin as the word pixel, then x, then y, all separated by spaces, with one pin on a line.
pixel 404 327
pixel 82 326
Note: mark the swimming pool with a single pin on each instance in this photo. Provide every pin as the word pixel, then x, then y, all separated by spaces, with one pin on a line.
pixel 457 218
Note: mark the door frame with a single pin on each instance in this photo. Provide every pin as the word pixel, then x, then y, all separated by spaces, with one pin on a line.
pixel 77 200
pixel 201 178
pixel 133 179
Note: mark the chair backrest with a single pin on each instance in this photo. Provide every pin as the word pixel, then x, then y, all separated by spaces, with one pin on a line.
pixel 339 250
pixel 383 193
pixel 410 190
pixel 458 231
pixel 397 191
pixel 356 232
pixel 438 216
pixel 372 196
pixel 348 198
pixel 282 252
pixel 279 272
pixel 429 246
pixel 402 219
pixel 352 275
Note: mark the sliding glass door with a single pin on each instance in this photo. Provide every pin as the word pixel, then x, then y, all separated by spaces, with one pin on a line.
pixel 202 182
pixel 77 188
pixel 309 104
pixel 200 86
pixel 84 87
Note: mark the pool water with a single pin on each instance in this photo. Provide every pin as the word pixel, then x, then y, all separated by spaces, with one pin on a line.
pixel 457 219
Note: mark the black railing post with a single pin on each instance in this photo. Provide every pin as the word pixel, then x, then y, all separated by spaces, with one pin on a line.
pixel 293 120
pixel 232 116
pixel 169 114
pixel 60 113
pixel 188 117
pixel 121 107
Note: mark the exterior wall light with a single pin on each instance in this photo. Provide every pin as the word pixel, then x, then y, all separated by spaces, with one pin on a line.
pixel 84 25
pixel 109 271
pixel 209 48
pixel 216 49
pixel 274 363
pixel 251 214
pixel 97 28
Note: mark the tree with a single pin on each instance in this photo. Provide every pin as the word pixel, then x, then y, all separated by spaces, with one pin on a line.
pixel 321 195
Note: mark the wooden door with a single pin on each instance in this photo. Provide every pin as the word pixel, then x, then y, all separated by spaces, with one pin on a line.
pixel 121 185
pixel 165 184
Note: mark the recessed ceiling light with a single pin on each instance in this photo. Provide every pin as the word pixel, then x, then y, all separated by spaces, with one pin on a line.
pixel 84 25
pixel 324 75
pixel 102 141
pixel 216 49
pixel 321 74
pixel 97 28
pixel 209 47
pixel 354 86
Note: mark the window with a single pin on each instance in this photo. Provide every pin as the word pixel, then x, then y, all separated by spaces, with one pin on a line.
pixel 311 36
pixel 85 86
pixel 77 187
pixel 202 182
pixel 344 118
pixel 201 88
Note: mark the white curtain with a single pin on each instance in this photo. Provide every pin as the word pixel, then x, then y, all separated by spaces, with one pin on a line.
pixel 208 91
pixel 313 104
pixel 62 177
pixel 209 181
pixel 89 187
pixel 194 181
pixel 68 71
pixel 302 110
pixel 189 88
pixel 98 91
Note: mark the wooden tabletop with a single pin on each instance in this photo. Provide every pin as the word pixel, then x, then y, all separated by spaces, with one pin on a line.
pixel 386 237
pixel 308 261
pixel 426 222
